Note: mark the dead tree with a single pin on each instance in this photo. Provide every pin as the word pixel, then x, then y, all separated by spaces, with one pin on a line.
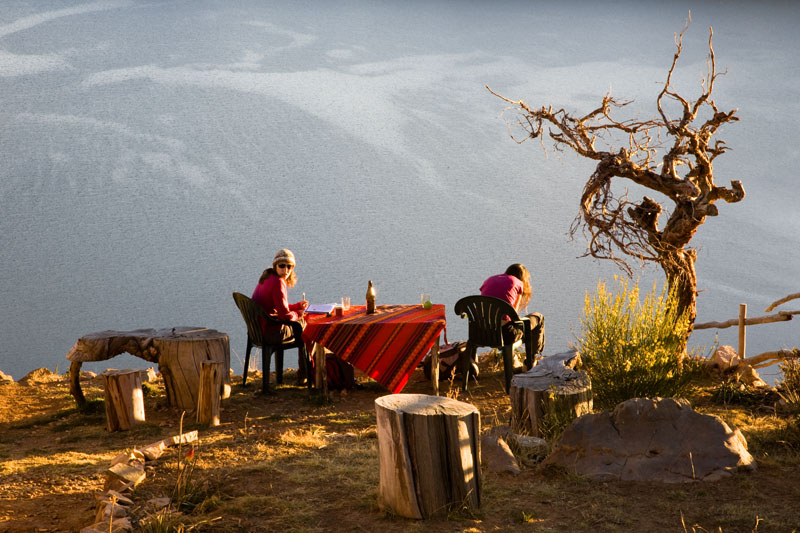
pixel 672 156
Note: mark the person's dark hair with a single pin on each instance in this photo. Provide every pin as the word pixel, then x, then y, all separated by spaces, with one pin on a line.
pixel 519 271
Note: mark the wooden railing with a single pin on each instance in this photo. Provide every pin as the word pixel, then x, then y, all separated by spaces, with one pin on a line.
pixel 766 358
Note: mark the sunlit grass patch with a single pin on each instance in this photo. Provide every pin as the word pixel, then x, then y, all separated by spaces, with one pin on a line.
pixel 60 462
pixel 256 505
pixel 770 435
pixel 311 437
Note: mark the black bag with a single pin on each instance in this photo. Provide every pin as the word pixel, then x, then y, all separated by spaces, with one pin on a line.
pixel 450 360
pixel 341 374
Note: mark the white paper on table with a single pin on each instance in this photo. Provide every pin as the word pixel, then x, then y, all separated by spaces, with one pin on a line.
pixel 321 309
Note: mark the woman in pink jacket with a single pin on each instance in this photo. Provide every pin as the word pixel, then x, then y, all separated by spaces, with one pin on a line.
pixel 271 295
pixel 514 287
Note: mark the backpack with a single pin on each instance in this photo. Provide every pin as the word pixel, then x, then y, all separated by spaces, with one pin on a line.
pixel 341 374
pixel 450 356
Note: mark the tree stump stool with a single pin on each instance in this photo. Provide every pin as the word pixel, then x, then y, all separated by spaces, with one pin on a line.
pixel 430 455
pixel 124 400
pixel 208 394
pixel 549 393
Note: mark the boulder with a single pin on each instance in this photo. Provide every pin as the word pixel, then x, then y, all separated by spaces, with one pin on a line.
pixel 496 455
pixel 652 440
pixel 40 375
pixel 5 377
pixel 725 358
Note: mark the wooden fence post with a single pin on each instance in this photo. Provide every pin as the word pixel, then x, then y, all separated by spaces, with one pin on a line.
pixel 742 333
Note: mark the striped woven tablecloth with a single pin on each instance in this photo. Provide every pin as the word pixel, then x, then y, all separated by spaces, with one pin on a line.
pixel 387 345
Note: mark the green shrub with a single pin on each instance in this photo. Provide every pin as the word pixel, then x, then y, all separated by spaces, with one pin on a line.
pixel 789 386
pixel 632 348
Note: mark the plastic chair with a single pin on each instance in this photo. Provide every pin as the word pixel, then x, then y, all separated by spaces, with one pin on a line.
pixel 251 311
pixel 485 315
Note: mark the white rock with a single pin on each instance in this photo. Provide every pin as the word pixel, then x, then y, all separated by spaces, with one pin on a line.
pixel 725 358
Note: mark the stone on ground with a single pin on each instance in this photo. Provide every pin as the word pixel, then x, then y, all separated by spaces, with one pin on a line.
pixel 496 454
pixel 652 440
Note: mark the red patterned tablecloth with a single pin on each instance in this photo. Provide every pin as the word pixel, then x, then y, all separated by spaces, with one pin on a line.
pixel 387 345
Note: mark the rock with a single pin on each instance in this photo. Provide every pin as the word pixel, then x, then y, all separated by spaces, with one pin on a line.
pixel 117 525
pixel 157 504
pixel 119 498
pixel 106 510
pixel 183 438
pixel 149 375
pixel 497 456
pixel 154 451
pixel 134 458
pixel 40 375
pixel 748 375
pixel 529 450
pixel 725 358
pixel 652 440
pixel 5 378
pixel 129 475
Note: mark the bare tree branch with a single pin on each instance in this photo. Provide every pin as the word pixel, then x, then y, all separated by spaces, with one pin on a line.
pixel 783 300
pixel 618 228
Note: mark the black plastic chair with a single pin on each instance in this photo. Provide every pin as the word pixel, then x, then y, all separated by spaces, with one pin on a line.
pixel 485 315
pixel 251 311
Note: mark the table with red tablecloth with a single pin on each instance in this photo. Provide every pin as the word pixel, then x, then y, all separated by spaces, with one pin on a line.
pixel 387 345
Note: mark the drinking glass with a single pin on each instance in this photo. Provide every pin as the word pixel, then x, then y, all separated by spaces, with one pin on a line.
pixel 345 303
pixel 424 297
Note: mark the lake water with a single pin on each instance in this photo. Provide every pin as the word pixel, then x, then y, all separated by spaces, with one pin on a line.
pixel 155 155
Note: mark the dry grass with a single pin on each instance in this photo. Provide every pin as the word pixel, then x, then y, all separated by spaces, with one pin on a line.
pixel 287 463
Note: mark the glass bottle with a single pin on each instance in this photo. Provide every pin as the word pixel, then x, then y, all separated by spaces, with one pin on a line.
pixel 370 298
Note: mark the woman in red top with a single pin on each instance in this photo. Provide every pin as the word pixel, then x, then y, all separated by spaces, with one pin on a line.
pixel 271 295
pixel 514 287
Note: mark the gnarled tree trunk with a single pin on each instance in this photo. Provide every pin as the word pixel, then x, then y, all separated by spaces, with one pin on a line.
pixel 671 154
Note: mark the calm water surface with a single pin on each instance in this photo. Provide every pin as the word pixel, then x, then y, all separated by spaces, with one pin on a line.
pixel 155 155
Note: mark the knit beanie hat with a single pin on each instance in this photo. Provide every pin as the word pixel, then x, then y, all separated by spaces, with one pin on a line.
pixel 283 256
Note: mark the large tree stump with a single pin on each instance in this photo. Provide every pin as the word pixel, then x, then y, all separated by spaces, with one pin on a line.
pixel 208 395
pixel 123 398
pixel 180 359
pixel 549 393
pixel 430 455
pixel 179 353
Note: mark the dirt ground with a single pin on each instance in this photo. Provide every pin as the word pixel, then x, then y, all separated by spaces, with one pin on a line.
pixel 287 462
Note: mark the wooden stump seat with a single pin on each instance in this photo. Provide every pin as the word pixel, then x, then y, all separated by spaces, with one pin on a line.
pixel 208 395
pixel 551 388
pixel 124 400
pixel 430 455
